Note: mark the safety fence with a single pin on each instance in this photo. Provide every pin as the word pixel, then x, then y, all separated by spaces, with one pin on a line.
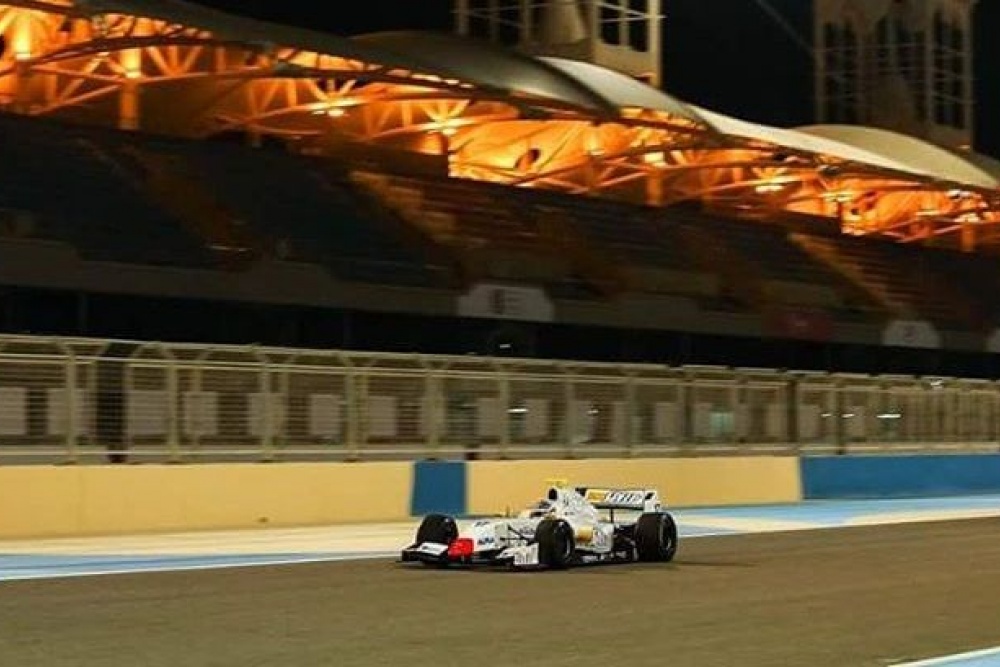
pixel 81 400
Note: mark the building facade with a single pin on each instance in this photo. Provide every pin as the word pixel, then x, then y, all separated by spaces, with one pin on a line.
pixel 902 65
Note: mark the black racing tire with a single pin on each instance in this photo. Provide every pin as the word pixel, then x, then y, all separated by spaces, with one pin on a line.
pixel 556 543
pixel 656 537
pixel 438 528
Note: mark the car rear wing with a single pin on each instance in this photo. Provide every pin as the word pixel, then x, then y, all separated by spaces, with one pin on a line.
pixel 618 498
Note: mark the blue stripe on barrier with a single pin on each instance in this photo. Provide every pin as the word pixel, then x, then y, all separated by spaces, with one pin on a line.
pixel 439 486
pixel 876 476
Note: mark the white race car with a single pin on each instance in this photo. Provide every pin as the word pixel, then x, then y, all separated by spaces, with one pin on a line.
pixel 569 526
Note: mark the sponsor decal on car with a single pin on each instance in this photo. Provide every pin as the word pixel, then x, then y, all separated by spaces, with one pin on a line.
pixel 624 498
pixel 432 548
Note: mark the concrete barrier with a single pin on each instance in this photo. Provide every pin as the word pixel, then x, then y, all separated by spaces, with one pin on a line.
pixel 495 486
pixel 40 501
pixel 439 486
pixel 49 501
pixel 918 475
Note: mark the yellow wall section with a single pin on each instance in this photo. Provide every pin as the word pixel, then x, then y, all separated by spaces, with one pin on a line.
pixel 91 500
pixel 495 486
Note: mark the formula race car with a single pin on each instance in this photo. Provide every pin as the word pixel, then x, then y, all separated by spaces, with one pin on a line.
pixel 569 526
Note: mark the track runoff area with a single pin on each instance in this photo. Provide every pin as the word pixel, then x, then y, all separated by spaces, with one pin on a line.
pixel 897 583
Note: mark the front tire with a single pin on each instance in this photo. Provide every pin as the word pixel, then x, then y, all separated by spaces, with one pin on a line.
pixel 656 537
pixel 437 528
pixel 556 543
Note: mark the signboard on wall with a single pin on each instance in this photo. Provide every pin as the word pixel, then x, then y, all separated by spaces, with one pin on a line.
pixel 801 324
pixel 507 302
pixel 993 342
pixel 911 333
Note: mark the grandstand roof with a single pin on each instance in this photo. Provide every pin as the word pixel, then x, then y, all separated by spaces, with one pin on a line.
pixel 496 113
pixel 489 66
pixel 236 28
pixel 988 164
pixel 809 143
pixel 915 155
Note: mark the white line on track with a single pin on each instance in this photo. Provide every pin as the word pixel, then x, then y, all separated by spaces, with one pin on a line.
pixel 141 568
pixel 969 659
pixel 145 568
pixel 87 569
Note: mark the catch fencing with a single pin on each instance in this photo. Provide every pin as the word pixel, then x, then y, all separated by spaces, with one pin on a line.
pixel 82 400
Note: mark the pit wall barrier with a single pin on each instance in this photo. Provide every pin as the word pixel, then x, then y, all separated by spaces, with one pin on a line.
pixel 918 475
pixel 54 501
pixel 490 487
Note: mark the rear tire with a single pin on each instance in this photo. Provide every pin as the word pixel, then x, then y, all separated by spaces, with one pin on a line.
pixel 656 537
pixel 556 543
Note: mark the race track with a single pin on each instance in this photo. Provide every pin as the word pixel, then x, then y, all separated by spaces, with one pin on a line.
pixel 866 595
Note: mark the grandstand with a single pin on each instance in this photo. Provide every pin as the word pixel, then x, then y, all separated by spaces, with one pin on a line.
pixel 265 183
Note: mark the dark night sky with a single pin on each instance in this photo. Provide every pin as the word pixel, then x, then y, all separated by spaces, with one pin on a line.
pixel 735 60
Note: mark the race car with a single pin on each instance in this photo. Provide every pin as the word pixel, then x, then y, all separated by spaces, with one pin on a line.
pixel 569 526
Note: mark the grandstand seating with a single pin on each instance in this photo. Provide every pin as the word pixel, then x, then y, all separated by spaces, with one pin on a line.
pixel 902 279
pixel 75 192
pixel 135 198
pixel 149 200
pixel 613 246
pixel 300 212
pixel 488 234
pixel 976 277
pixel 769 268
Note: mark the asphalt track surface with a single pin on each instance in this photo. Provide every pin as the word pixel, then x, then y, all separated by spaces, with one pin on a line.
pixel 874 595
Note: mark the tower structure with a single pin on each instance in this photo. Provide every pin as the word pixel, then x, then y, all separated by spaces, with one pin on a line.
pixel 902 65
pixel 623 35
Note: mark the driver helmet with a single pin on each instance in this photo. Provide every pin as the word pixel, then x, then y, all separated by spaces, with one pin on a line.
pixel 540 509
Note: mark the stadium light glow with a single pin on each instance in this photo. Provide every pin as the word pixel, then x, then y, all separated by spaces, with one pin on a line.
pixel 839 196
pixel 657 159
pixel 163 69
pixel 770 187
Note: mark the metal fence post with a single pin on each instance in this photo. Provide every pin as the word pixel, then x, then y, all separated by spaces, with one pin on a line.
pixel 432 412
pixel 128 391
pixel 357 388
pixel 173 412
pixel 631 413
pixel 350 416
pixel 791 411
pixel 995 435
pixel 569 397
pixel 503 405
pixel 285 384
pixel 72 451
pixel 197 425
pixel 267 421
pixel 364 415
pixel 737 396
pixel 841 434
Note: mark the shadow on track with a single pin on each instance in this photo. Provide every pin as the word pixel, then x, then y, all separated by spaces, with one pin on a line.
pixel 590 568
